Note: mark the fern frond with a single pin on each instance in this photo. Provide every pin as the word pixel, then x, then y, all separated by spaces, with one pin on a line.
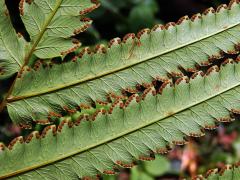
pixel 164 54
pixel 121 104
pixel 128 130
pixel 50 24
pixel 11 45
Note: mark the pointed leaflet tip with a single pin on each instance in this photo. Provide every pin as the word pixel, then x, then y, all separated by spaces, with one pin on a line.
pixel 223 169
pixel 182 19
pixel 212 69
pixel 170 25
pixel 2 147
pixel 158 27
pixel 142 32
pixel 128 37
pixel 15 141
pixel 90 9
pixel 233 3
pixel 209 11
pixel 100 48
pixel 181 80
pixel 221 8
pixel 48 129
pixel 85 51
pixel 196 17
pixel 211 172
pixel 114 42
pixel 199 73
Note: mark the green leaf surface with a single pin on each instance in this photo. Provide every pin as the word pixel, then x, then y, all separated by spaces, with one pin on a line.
pixel 100 121
pixel 93 77
pixel 128 133
pixel 11 46
pixel 50 23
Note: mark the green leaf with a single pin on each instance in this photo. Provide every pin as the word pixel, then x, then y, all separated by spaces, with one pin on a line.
pixel 157 167
pixel 50 23
pixel 100 121
pixel 92 77
pixel 117 138
pixel 11 46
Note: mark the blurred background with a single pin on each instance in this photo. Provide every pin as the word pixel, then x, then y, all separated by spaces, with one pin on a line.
pixel 115 18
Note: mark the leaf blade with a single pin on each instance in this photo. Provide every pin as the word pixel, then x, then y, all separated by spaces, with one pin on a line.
pixel 39 18
pixel 143 54
pixel 11 46
pixel 163 130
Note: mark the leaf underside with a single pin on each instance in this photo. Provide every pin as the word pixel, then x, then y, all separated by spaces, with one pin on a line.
pixel 125 103
pixel 50 24
pixel 132 135
pixel 154 55
pixel 11 54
